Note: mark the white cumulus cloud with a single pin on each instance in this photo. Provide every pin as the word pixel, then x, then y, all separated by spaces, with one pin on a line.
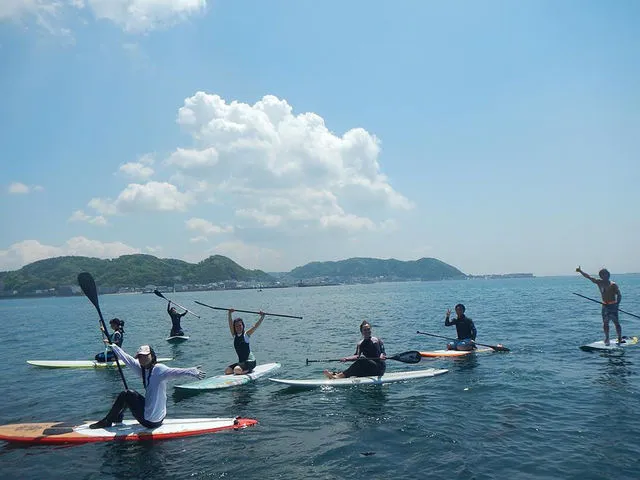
pixel 148 197
pixel 21 189
pixel 205 227
pixel 140 170
pixel 80 216
pixel 276 168
pixel 133 16
pixel 28 251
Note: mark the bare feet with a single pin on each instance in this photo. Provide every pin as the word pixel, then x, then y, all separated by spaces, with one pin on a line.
pixel 329 375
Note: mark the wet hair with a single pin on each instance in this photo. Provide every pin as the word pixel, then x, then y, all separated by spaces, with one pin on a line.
pixel 118 322
pixel 154 360
pixel 364 322
pixel 461 306
pixel 236 320
pixel 604 272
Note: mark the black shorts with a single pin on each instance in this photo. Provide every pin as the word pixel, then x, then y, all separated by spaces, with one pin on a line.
pixel 248 365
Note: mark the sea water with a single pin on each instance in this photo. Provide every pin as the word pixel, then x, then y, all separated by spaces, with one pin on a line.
pixel 543 410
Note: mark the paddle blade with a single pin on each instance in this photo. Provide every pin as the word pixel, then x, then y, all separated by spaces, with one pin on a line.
pixel 159 293
pixel 499 348
pixel 407 357
pixel 88 286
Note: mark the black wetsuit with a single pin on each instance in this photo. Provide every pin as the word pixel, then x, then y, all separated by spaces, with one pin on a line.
pixel 176 329
pixel 371 348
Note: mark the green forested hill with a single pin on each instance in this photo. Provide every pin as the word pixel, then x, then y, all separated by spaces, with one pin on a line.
pixel 125 271
pixel 423 269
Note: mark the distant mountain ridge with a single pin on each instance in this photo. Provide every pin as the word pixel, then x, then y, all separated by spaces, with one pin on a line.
pixel 139 271
pixel 125 271
pixel 422 269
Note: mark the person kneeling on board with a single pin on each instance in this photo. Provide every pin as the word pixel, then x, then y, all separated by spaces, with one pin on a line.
pixel 117 337
pixel 369 359
pixel 176 328
pixel 246 361
pixel 149 411
pixel 465 329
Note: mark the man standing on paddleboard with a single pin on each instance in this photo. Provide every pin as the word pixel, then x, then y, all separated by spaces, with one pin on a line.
pixel 465 329
pixel 611 298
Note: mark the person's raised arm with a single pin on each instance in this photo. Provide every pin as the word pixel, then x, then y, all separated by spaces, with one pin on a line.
pixel 231 329
pixel 586 275
pixel 253 329
pixel 447 323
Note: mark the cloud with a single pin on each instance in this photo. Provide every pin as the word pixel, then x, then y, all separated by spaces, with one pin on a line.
pixel 205 227
pixel 140 170
pixel 21 188
pixel 150 197
pixel 28 251
pixel 277 169
pixel 80 216
pixel 133 16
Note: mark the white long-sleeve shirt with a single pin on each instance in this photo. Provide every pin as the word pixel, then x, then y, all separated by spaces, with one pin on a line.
pixel 155 405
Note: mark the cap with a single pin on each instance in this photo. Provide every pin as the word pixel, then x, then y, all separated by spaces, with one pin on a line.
pixel 143 350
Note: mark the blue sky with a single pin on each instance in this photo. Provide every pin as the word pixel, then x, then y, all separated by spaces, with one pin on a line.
pixel 495 136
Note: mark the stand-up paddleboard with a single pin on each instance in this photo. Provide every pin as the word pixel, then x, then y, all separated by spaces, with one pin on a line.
pixel 599 346
pixel 177 339
pixel 80 363
pixel 129 430
pixel 351 381
pixel 454 353
pixel 225 381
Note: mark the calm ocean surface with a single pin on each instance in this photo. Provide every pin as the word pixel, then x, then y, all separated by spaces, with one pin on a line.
pixel 544 410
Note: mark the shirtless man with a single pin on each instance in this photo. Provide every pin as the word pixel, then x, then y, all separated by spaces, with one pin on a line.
pixel 611 297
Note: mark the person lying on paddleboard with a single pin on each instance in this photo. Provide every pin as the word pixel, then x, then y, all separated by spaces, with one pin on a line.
pixel 611 298
pixel 246 361
pixel 465 329
pixel 149 411
pixel 117 337
pixel 176 329
pixel 369 359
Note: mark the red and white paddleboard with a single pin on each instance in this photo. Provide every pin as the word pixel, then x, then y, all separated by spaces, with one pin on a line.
pixel 129 430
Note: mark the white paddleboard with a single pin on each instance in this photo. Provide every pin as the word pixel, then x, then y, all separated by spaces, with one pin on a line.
pixel 226 381
pixel 454 353
pixel 177 339
pixel 345 382
pixel 599 346
pixel 131 430
pixel 80 363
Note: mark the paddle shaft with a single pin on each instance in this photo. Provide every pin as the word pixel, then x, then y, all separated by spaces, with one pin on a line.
pixel 498 348
pixel 159 294
pixel 412 356
pixel 247 311
pixel 596 301
pixel 88 286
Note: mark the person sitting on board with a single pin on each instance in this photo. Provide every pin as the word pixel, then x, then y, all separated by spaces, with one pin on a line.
pixel 117 337
pixel 465 328
pixel 611 298
pixel 369 359
pixel 246 361
pixel 149 411
pixel 176 329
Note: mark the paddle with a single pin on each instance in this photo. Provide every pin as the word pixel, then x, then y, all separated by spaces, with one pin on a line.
pixel 247 311
pixel 159 293
pixel 497 348
pixel 88 286
pixel 412 356
pixel 596 301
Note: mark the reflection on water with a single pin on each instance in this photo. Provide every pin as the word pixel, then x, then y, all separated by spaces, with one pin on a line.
pixel 143 459
pixel 614 372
